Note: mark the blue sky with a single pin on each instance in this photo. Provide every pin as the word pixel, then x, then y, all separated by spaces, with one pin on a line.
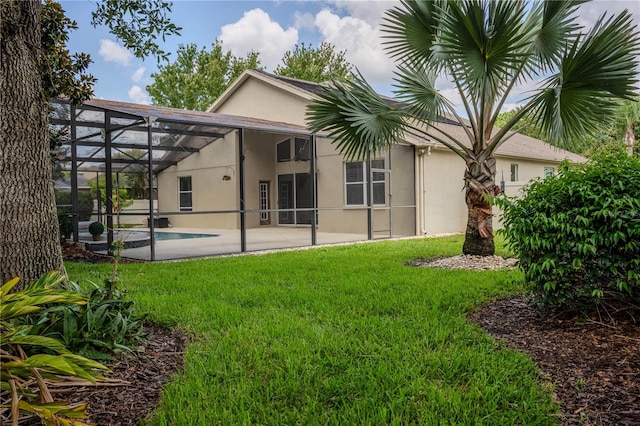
pixel 270 27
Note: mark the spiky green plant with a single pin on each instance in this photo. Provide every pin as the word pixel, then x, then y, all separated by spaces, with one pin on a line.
pixel 29 362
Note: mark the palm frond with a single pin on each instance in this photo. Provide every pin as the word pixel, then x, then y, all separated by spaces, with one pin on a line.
pixel 415 86
pixel 412 31
pixel 557 28
pixel 359 120
pixel 594 72
pixel 486 43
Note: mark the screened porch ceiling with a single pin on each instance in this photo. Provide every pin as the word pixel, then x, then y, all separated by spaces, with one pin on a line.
pixel 174 134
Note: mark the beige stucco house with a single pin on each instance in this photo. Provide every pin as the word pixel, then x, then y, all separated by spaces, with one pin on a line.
pixel 416 188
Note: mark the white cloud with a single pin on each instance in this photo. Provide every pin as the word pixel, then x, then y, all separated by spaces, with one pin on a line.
pixel 591 11
pixel 304 20
pixel 361 42
pixel 138 74
pixel 257 31
pixel 137 95
pixel 113 52
pixel 369 11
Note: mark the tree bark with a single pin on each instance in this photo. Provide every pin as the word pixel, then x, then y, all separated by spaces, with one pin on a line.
pixel 480 187
pixel 29 240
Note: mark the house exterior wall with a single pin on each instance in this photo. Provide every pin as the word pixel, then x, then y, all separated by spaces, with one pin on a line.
pixel 336 216
pixel 255 98
pixel 445 210
pixel 209 190
pixel 258 99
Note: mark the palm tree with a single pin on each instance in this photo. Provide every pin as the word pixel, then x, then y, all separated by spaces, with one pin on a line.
pixel 485 48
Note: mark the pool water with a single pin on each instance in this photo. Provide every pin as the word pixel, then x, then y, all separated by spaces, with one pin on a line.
pixel 163 236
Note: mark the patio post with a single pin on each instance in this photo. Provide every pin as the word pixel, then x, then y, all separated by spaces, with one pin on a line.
pixel 74 174
pixel 390 197
pixel 151 224
pixel 109 184
pixel 314 190
pixel 243 214
pixel 369 174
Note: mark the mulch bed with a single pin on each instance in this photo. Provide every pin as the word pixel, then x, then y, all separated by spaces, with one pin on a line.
pixel 75 252
pixel 593 362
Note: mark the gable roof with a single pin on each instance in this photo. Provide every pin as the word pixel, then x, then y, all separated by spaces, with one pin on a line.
pixel 517 146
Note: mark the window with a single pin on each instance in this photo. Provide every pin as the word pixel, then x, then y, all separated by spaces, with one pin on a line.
pixel 549 171
pixel 514 172
pixel 185 194
pixel 283 151
pixel 378 182
pixel 303 149
pixel 356 183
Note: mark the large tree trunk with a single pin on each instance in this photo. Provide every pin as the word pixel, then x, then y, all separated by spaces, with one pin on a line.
pixel 29 241
pixel 480 186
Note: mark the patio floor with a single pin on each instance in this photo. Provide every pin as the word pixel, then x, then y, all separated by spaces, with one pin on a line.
pixel 227 241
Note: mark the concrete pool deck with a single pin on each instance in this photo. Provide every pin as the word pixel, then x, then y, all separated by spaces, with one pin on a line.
pixel 227 241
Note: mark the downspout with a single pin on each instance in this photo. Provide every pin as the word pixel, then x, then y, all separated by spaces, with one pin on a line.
pixel 420 199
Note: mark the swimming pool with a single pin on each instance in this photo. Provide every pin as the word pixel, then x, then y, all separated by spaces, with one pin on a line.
pixel 164 236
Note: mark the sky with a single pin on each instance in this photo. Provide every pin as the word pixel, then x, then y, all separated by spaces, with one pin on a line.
pixel 270 27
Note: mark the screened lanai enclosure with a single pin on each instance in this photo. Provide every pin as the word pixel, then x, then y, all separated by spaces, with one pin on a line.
pixel 219 184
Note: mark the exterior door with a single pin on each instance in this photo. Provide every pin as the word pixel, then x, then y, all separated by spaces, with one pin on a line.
pixel 265 196
pixel 286 199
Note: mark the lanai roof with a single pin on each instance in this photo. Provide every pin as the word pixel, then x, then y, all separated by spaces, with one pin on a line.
pixel 175 133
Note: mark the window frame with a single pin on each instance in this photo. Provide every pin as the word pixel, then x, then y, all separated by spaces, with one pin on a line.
pixel 283 160
pixel 181 191
pixel 514 172
pixel 364 181
pixel 304 153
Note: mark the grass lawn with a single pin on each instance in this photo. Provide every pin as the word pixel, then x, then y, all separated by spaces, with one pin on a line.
pixel 346 335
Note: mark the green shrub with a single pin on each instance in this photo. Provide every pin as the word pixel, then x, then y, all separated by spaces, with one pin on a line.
pixel 66 227
pixel 30 363
pixel 106 324
pixel 577 234
pixel 85 204
pixel 96 228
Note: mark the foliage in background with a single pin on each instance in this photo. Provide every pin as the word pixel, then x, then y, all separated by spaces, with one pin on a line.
pixel 135 178
pixel 28 361
pixel 318 64
pixel 137 23
pixel 85 203
pixel 119 195
pixel 198 76
pixel 62 73
pixel 577 234
pixel 623 129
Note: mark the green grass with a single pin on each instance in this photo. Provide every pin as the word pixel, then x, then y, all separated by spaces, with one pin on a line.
pixel 345 335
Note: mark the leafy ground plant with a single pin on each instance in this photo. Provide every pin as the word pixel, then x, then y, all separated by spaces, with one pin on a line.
pixel 105 325
pixel 577 234
pixel 29 363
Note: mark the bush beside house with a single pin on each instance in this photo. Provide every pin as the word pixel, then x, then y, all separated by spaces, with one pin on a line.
pixel 577 234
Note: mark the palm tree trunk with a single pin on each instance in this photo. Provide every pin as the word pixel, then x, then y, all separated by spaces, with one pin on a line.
pixel 629 139
pixel 480 186
pixel 29 241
